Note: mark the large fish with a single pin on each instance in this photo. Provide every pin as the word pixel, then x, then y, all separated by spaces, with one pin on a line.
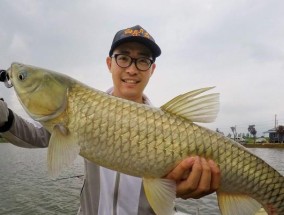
pixel 144 141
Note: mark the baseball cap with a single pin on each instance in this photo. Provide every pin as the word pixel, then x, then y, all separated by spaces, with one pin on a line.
pixel 135 34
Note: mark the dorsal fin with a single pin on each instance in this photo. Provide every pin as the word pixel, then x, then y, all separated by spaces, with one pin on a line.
pixel 194 107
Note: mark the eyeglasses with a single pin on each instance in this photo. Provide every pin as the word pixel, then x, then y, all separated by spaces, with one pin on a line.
pixel 125 61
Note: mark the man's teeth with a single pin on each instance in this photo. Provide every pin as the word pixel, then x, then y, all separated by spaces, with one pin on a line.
pixel 130 81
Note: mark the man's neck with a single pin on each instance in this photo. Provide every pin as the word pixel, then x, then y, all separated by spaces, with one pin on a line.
pixel 138 99
pixel 134 99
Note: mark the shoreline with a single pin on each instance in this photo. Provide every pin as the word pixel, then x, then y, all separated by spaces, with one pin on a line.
pixel 264 145
pixel 247 145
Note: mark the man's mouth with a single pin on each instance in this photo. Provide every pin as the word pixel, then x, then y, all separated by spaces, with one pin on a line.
pixel 130 81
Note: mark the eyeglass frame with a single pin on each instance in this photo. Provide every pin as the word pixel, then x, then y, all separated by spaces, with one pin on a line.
pixel 133 60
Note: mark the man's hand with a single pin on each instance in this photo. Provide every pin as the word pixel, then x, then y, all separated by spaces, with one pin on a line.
pixel 195 177
pixel 4 112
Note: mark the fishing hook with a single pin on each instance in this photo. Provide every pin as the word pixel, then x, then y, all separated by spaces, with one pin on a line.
pixel 4 77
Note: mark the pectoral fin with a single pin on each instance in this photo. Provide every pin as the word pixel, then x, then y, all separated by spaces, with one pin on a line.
pixel 62 150
pixel 161 194
pixel 237 204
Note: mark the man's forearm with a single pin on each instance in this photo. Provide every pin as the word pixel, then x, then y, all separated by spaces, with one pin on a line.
pixel 25 134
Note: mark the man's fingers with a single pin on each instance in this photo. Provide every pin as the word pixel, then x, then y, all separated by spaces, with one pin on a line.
pixel 215 175
pixel 191 184
pixel 195 177
pixel 204 179
pixel 181 171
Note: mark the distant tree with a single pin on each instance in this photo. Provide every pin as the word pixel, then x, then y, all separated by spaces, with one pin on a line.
pixel 280 132
pixel 252 131
pixel 234 130
pixel 220 132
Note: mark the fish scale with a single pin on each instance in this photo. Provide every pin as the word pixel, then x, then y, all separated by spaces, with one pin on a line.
pixel 164 148
pixel 144 141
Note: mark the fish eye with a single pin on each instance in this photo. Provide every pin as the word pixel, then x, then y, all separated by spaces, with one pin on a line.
pixel 22 75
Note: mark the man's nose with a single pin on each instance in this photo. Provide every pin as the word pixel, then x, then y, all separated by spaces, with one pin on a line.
pixel 132 70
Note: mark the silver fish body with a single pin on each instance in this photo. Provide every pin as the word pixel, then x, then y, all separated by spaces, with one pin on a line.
pixel 145 141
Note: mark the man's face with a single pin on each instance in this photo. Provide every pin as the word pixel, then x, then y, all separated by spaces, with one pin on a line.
pixel 129 83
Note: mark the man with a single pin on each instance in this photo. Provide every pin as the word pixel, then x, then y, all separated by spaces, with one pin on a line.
pixel 131 63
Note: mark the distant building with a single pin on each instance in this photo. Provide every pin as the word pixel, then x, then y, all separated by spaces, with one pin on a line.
pixel 273 135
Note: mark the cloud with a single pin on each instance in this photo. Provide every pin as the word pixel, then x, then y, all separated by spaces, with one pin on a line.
pixel 236 46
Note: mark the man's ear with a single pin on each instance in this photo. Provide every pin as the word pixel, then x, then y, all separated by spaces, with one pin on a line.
pixel 153 68
pixel 108 62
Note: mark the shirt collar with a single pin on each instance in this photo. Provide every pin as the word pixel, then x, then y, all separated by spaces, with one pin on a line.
pixel 146 100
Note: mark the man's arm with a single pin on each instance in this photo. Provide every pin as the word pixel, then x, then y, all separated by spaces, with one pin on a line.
pixel 20 132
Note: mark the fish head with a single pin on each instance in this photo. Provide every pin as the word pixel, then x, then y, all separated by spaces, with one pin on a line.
pixel 42 93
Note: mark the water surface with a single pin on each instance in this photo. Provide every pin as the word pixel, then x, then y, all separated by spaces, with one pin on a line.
pixel 26 188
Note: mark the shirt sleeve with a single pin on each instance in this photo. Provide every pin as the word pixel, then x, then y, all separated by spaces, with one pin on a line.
pixel 25 134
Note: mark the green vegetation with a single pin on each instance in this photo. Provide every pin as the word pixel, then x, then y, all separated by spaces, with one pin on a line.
pixel 250 144
pixel 2 140
pixel 250 140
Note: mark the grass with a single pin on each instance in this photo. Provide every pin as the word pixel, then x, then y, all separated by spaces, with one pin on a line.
pixel 2 140
pixel 250 144
pixel 250 140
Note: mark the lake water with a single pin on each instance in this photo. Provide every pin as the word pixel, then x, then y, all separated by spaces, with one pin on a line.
pixel 26 188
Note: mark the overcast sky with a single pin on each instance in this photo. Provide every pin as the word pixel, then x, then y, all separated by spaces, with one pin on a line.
pixel 237 46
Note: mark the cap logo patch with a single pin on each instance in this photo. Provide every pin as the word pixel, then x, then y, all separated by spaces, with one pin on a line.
pixel 139 33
